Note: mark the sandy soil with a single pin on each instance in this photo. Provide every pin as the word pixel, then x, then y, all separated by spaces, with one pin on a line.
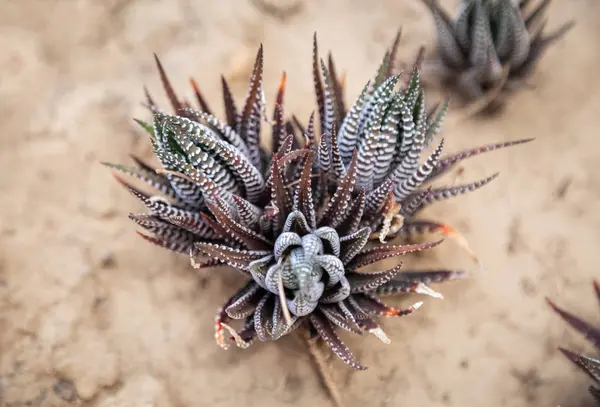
pixel 92 315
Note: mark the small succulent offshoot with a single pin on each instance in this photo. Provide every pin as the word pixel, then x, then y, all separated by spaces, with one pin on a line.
pixel 490 48
pixel 589 365
pixel 303 220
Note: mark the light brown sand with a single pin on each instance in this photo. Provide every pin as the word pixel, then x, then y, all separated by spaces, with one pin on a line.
pixel 89 312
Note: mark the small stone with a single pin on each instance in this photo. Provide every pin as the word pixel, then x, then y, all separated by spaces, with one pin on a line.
pixel 108 261
pixel 65 390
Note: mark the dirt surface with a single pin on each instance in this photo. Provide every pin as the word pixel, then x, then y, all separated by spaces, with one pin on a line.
pixel 90 314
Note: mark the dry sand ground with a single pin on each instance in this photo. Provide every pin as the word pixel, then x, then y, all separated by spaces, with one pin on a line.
pixel 91 314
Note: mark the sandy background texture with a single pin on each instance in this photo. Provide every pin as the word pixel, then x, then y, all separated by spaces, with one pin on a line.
pixel 92 315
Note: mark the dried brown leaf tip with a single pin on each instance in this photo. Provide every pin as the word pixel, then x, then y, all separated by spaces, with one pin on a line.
pixel 592 333
pixel 302 221
pixel 491 47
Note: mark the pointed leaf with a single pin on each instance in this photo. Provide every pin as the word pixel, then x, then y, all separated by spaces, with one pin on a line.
pixel 237 258
pixel 354 215
pixel 200 98
pixel 365 282
pixel 446 163
pixel 338 205
pixel 591 333
pixel 352 244
pixel 240 233
pixel 249 125
pixel 327 333
pixel 175 103
pixel 385 251
pixel 244 302
pixel 304 192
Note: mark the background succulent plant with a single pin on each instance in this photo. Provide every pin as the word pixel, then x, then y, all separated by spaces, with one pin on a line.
pixel 302 221
pixel 490 44
pixel 592 334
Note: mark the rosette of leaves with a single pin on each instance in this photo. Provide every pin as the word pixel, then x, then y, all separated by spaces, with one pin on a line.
pixel 589 365
pixel 304 220
pixel 491 45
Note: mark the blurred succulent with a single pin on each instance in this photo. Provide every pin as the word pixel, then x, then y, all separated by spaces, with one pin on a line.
pixel 592 334
pixel 491 46
pixel 303 221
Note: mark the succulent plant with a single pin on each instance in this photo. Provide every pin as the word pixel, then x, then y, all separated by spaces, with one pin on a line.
pixel 491 45
pixel 589 365
pixel 304 220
